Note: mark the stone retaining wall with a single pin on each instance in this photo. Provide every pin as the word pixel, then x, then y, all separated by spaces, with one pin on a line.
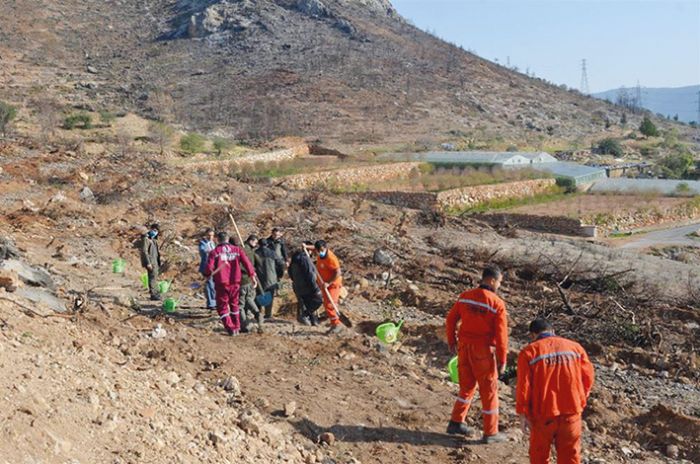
pixel 413 200
pixel 284 154
pixel 471 196
pixel 645 217
pixel 349 177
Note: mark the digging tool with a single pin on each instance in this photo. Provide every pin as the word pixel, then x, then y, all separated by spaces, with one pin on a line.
pixel 343 318
pixel 265 297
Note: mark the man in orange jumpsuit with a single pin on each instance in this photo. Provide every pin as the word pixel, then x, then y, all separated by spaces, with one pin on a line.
pixel 481 346
pixel 555 378
pixel 328 267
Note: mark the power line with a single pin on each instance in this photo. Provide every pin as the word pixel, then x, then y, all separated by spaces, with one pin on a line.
pixel 638 96
pixel 584 78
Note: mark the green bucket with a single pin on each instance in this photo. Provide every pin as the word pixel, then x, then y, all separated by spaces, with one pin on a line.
pixel 388 332
pixel 144 280
pixel 118 266
pixel 169 305
pixel 453 370
pixel 163 286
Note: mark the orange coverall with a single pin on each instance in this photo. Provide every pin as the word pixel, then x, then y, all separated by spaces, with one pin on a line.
pixel 555 378
pixel 483 332
pixel 327 268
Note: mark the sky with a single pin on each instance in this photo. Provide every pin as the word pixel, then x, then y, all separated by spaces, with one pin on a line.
pixel 655 42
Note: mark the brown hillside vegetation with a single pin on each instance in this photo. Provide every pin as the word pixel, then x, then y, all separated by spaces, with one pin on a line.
pixel 345 70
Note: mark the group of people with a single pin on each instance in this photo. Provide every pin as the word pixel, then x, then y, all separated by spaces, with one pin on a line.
pixel 554 375
pixel 242 277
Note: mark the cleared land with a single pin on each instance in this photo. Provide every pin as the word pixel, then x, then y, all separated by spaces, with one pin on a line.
pixel 590 205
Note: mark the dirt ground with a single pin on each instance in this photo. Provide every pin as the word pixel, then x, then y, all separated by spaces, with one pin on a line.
pixel 117 381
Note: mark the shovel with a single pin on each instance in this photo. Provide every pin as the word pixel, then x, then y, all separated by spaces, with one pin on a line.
pixel 343 318
pixel 265 297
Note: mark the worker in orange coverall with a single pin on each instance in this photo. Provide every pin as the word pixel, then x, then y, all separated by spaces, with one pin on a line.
pixel 555 378
pixel 481 346
pixel 328 267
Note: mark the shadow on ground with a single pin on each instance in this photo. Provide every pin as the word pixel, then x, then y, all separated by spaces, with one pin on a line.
pixel 361 434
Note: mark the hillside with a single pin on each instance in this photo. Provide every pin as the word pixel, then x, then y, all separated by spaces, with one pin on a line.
pixel 348 70
pixel 681 101
pixel 140 386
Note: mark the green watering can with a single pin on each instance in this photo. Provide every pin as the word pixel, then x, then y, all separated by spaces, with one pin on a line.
pixel 118 266
pixel 453 370
pixel 388 332
pixel 169 305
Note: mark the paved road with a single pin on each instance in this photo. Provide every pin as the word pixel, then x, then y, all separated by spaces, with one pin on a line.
pixel 666 237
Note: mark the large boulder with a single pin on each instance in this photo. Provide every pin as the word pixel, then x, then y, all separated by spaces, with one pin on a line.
pixel 42 298
pixel 383 257
pixel 34 276
pixel 8 249
pixel 313 8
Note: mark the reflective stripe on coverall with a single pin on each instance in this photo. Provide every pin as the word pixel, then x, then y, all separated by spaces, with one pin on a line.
pixel 482 345
pixel 555 378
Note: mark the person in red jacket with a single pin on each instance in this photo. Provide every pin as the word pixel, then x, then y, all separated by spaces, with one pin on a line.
pixel 224 266
pixel 555 378
pixel 481 346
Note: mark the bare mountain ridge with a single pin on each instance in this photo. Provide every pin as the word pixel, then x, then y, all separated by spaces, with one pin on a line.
pixel 339 69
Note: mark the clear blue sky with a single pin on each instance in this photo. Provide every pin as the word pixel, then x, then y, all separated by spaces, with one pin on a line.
pixel 654 41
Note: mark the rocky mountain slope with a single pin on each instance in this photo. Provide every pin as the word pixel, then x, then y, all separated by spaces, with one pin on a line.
pixel 341 69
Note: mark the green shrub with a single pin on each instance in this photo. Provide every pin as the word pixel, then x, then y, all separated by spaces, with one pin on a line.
pixel 610 146
pixel 682 188
pixel 648 128
pixel 567 183
pixel 81 120
pixel 677 166
pixel 221 145
pixel 7 114
pixel 192 143
pixel 107 118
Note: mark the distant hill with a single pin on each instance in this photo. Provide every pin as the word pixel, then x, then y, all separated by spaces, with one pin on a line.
pixel 348 70
pixel 668 101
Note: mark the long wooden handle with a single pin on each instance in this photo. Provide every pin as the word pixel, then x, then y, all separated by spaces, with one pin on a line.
pixel 240 239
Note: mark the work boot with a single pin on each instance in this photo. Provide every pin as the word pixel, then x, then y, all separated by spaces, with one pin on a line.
pixel 335 330
pixel 305 321
pixel 232 332
pixel 497 438
pixel 155 297
pixel 458 428
pixel 314 320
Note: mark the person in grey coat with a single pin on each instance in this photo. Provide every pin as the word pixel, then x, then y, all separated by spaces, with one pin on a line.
pixel 150 259
pixel 206 244
pixel 246 301
pixel 269 268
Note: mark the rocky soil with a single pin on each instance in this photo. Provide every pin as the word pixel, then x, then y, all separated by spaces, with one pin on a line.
pixel 113 379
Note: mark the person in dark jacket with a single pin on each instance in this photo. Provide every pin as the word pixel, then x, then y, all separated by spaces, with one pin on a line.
pixel 278 245
pixel 246 301
pixel 305 285
pixel 150 259
pixel 269 269
pixel 206 244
